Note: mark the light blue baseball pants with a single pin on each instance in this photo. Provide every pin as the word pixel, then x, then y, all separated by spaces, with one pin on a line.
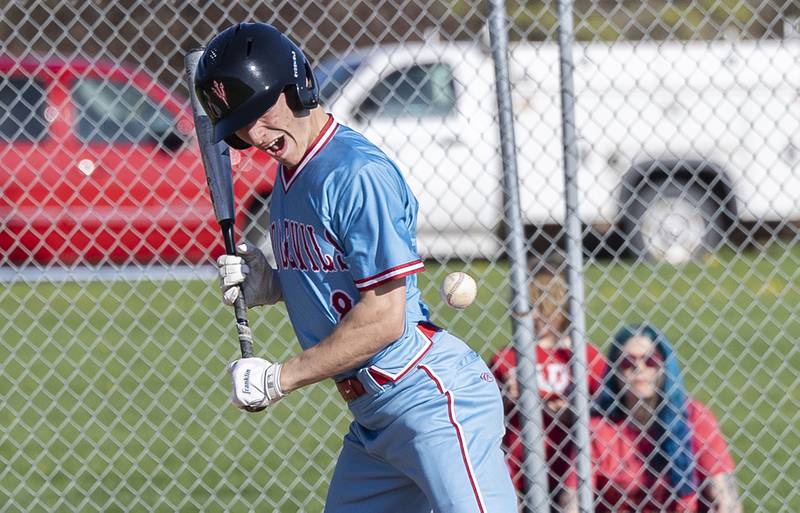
pixel 430 441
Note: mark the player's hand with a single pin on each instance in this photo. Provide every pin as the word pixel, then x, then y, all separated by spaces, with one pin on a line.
pixel 256 383
pixel 250 269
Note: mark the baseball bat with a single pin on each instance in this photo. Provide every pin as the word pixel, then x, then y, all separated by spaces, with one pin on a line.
pixel 217 165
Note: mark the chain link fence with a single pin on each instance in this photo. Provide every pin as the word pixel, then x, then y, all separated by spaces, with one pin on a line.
pixel 113 340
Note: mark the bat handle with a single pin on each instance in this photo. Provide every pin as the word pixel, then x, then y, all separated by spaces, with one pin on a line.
pixel 242 326
pixel 239 306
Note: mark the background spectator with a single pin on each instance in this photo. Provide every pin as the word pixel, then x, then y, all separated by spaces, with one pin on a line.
pixel 655 448
pixel 548 293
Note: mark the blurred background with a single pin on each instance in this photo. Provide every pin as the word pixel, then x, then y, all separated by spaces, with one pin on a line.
pixel 113 338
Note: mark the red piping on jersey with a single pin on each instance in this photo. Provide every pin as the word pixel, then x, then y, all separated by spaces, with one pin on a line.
pixel 451 412
pixel 319 142
pixel 393 273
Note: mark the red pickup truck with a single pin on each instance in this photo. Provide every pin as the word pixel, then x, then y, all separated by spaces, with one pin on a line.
pixel 98 164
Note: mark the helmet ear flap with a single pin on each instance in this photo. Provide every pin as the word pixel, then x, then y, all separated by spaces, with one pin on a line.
pixel 293 98
pixel 307 95
pixel 302 95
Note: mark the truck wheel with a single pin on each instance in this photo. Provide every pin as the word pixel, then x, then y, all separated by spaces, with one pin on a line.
pixel 673 222
pixel 256 231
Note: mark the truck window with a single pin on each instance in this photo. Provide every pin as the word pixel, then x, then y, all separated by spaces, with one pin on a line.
pixel 114 112
pixel 332 76
pixel 420 90
pixel 22 104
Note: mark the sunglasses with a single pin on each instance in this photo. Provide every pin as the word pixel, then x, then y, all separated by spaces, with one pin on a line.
pixel 652 360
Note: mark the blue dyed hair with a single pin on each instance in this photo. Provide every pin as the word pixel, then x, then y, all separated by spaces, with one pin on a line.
pixel 672 433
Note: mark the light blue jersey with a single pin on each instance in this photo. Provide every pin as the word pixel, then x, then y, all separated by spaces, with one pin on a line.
pixel 342 223
pixel 428 414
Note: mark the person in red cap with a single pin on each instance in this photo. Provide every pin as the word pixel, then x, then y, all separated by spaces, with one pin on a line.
pixel 548 292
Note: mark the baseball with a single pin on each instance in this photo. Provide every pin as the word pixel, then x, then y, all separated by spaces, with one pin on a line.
pixel 459 290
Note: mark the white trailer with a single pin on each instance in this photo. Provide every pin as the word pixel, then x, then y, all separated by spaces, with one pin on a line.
pixel 678 141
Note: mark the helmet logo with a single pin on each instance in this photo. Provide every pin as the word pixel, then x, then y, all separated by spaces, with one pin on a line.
pixel 219 92
pixel 294 64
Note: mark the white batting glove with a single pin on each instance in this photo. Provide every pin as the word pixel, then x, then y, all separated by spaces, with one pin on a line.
pixel 250 269
pixel 256 383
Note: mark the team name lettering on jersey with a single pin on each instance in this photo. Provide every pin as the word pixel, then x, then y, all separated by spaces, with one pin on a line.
pixel 298 246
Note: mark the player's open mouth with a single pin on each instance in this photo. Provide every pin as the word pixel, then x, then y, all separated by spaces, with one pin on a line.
pixel 276 145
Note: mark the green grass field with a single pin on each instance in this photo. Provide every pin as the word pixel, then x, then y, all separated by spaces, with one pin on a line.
pixel 114 398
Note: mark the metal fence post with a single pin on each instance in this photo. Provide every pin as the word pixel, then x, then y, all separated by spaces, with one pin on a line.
pixel 574 248
pixel 530 405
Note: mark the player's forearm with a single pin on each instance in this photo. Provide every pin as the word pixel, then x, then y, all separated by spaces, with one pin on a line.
pixel 376 321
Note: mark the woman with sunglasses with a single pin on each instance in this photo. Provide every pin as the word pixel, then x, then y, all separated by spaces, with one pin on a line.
pixel 655 448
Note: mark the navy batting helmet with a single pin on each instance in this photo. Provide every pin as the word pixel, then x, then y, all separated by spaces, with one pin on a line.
pixel 243 71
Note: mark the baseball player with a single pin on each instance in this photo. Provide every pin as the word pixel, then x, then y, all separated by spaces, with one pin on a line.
pixel 428 417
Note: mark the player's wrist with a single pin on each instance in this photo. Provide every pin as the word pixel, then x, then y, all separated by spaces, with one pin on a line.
pixel 285 378
pixel 295 373
pixel 272 382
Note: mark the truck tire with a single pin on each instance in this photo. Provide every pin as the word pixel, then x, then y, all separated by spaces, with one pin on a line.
pixel 256 231
pixel 673 222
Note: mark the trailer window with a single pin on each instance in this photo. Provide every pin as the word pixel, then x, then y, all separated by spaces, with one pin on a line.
pixel 416 91
pixel 332 76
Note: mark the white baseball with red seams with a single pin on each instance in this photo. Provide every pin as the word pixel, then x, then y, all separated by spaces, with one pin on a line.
pixel 459 290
